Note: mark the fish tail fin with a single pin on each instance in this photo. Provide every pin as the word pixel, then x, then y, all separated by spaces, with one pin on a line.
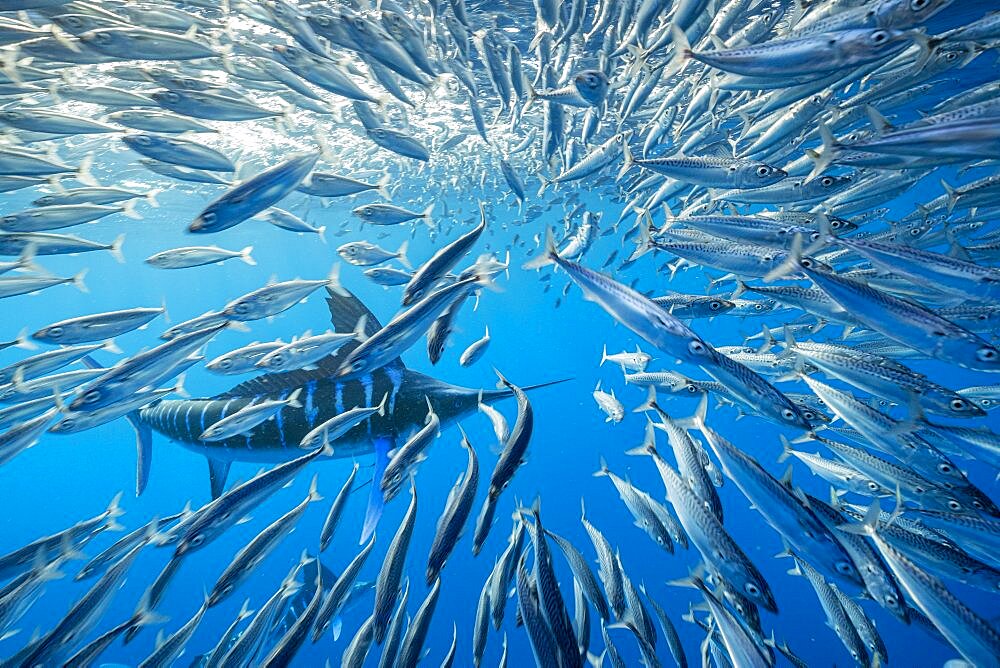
pixel 790 264
pixel 321 232
pixel 427 213
pixel 546 183
pixel 549 256
pixel 952 195
pixel 650 403
pixel 604 355
pixel 314 494
pixel 333 281
pixel 143 451
pixel 786 449
pixel 682 52
pixel 822 159
pixel 116 248
pixel 401 254
pixel 78 283
pixel 23 342
pixel 381 405
pixel 696 420
pixel 151 197
pixel 293 398
pixel 83 173
pixel 869 526
pixel 383 186
pixel 628 160
pixel 129 211
pixel 246 256
pixel 603 469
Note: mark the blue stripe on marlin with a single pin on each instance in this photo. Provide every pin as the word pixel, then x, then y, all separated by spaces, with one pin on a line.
pixel 311 410
pixel 408 392
pixel 280 422
pixel 367 384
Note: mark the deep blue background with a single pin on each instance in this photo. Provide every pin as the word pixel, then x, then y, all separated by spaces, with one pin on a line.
pixel 66 479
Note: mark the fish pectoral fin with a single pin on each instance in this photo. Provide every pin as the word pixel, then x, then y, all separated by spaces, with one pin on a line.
pixel 143 451
pixel 376 499
pixel 218 471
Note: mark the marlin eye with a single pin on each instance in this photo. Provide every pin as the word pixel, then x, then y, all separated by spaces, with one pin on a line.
pixel 879 36
pixel 958 404
pixel 954 505
pixel 752 589
pixel 844 568
pixel 763 171
pixel 91 397
pixel 806 262
pixel 197 540
pixel 715 306
pixel 918 4
pixel 944 467
pixel 788 414
pixel 826 181
pixel 696 347
pixel 54 333
pixel 872 485
pixel 987 354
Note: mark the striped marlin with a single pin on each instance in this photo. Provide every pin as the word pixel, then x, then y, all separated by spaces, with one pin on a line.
pixel 322 395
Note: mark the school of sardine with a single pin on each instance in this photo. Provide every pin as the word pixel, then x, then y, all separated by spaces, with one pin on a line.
pixel 754 144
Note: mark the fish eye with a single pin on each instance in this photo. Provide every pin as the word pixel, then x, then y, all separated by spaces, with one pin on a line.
pixel 944 467
pixel 806 262
pixel 987 354
pixel 954 505
pixel 715 306
pixel 918 4
pixel 891 600
pixel 197 540
pixel 788 414
pixel 977 504
pixel 763 170
pixel 225 364
pixel 692 389
pixel 879 36
pixel 54 332
pixel 872 485
pixel 808 415
pixel 91 396
pixel 752 589
pixel 826 181
pixel 67 423
pixel 242 307
pixel 844 568
pixel 696 347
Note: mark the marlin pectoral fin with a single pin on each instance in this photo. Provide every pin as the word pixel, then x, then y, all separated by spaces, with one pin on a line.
pixel 143 451
pixel 376 500
pixel 218 471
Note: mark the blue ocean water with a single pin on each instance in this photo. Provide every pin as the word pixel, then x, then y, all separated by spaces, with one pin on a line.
pixel 538 334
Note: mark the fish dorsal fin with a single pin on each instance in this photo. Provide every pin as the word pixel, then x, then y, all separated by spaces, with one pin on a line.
pixel 275 383
pixel 347 310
